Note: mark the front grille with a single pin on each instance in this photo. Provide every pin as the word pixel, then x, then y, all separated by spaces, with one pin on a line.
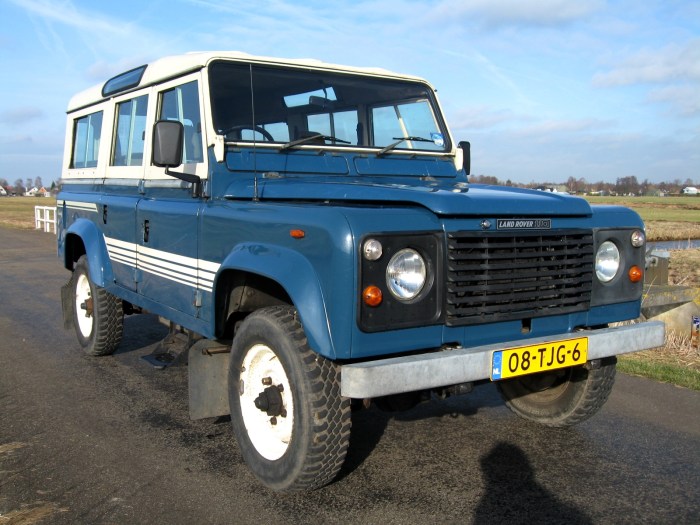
pixel 505 276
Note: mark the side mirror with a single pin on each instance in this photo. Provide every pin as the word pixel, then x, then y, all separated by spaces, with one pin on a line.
pixel 168 141
pixel 466 146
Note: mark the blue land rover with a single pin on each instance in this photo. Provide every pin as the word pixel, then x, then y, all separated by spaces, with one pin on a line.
pixel 312 229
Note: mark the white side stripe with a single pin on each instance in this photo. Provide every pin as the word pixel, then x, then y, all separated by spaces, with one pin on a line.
pixel 196 273
pixel 76 205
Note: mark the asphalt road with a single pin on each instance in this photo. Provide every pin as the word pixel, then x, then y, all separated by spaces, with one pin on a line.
pixel 108 441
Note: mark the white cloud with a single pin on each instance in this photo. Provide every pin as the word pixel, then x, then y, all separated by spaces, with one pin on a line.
pixel 17 116
pixel 496 13
pixel 66 13
pixel 671 63
pixel 548 128
pixel 685 99
pixel 479 117
pixel 74 33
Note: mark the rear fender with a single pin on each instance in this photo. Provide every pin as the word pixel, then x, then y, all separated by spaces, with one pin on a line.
pixel 85 232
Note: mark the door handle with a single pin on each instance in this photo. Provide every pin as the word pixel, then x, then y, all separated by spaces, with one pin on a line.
pixel 146 230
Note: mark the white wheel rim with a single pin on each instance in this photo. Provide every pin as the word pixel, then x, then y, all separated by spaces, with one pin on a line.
pixel 270 436
pixel 83 315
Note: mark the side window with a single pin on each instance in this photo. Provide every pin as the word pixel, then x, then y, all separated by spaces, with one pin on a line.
pixel 127 149
pixel 182 104
pixel 86 140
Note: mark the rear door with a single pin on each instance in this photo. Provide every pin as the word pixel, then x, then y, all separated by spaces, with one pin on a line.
pixel 123 177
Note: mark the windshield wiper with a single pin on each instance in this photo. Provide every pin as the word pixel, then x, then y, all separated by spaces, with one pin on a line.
pixel 311 138
pixel 399 140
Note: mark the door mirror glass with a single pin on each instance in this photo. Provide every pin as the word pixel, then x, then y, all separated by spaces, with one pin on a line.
pixel 168 138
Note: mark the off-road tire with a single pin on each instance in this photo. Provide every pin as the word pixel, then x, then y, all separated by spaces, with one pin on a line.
pixel 99 327
pixel 314 451
pixel 561 398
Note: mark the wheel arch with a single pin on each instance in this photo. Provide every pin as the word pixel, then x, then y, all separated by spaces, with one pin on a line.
pixel 83 238
pixel 258 275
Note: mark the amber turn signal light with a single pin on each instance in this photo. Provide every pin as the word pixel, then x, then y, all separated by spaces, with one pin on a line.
pixel 635 274
pixel 297 234
pixel 372 296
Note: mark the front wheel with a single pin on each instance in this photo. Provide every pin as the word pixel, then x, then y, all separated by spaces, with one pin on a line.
pixel 98 316
pixel 562 397
pixel 290 421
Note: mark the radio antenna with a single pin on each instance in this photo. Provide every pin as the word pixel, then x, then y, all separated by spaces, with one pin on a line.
pixel 255 156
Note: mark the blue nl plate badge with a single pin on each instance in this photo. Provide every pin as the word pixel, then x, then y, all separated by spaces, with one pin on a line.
pixel 496 365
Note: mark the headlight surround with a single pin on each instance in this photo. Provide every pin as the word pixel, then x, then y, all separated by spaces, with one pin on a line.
pixel 406 274
pixel 607 261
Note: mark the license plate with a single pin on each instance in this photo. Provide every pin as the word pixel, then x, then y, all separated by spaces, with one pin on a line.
pixel 513 362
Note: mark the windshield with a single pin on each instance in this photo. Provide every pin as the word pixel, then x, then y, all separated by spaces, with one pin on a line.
pixel 269 104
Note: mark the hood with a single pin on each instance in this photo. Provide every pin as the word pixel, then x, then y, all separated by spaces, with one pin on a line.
pixel 442 198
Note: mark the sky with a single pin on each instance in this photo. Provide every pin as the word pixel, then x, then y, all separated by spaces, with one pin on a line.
pixel 543 89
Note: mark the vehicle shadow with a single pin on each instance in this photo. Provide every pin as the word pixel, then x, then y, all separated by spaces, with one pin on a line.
pixel 141 333
pixel 369 425
pixel 512 494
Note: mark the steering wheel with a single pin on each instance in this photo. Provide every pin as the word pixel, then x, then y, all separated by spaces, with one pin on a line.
pixel 251 127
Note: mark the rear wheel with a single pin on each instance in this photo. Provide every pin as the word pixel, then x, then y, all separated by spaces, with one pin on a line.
pixel 291 423
pixel 562 397
pixel 98 316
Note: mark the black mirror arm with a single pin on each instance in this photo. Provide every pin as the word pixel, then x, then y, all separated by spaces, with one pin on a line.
pixel 195 180
pixel 465 146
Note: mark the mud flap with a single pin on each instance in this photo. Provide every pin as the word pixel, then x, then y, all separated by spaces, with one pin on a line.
pixel 208 379
pixel 67 304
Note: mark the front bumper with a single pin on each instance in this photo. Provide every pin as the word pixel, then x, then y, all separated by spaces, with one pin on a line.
pixel 462 365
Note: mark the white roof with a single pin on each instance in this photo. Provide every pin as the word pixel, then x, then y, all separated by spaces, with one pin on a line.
pixel 173 66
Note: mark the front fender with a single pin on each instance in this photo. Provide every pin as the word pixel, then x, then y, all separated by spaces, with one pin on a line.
pixel 85 232
pixel 298 277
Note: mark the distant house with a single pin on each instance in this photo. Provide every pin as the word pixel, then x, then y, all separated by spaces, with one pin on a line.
pixel 38 192
pixel 690 190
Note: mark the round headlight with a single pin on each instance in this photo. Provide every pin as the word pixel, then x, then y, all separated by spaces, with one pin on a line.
pixel 637 238
pixel 406 274
pixel 607 261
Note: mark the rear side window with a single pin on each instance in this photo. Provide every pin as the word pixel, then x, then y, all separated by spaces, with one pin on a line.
pixel 86 140
pixel 182 104
pixel 127 149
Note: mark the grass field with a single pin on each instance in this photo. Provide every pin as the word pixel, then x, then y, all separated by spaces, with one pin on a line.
pixel 18 212
pixel 666 218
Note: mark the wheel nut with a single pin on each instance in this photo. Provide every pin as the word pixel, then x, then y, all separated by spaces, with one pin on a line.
pixel 273 420
pixel 267 381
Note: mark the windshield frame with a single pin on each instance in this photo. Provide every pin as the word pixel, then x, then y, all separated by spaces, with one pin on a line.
pixel 247 83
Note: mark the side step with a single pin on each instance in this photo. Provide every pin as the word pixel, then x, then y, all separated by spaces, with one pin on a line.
pixel 171 349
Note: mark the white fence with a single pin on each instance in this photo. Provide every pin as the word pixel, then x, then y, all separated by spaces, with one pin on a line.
pixel 45 218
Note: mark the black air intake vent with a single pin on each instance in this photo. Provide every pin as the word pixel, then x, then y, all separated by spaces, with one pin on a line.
pixel 505 276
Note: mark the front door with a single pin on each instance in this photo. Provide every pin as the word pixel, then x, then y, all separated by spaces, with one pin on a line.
pixel 168 215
